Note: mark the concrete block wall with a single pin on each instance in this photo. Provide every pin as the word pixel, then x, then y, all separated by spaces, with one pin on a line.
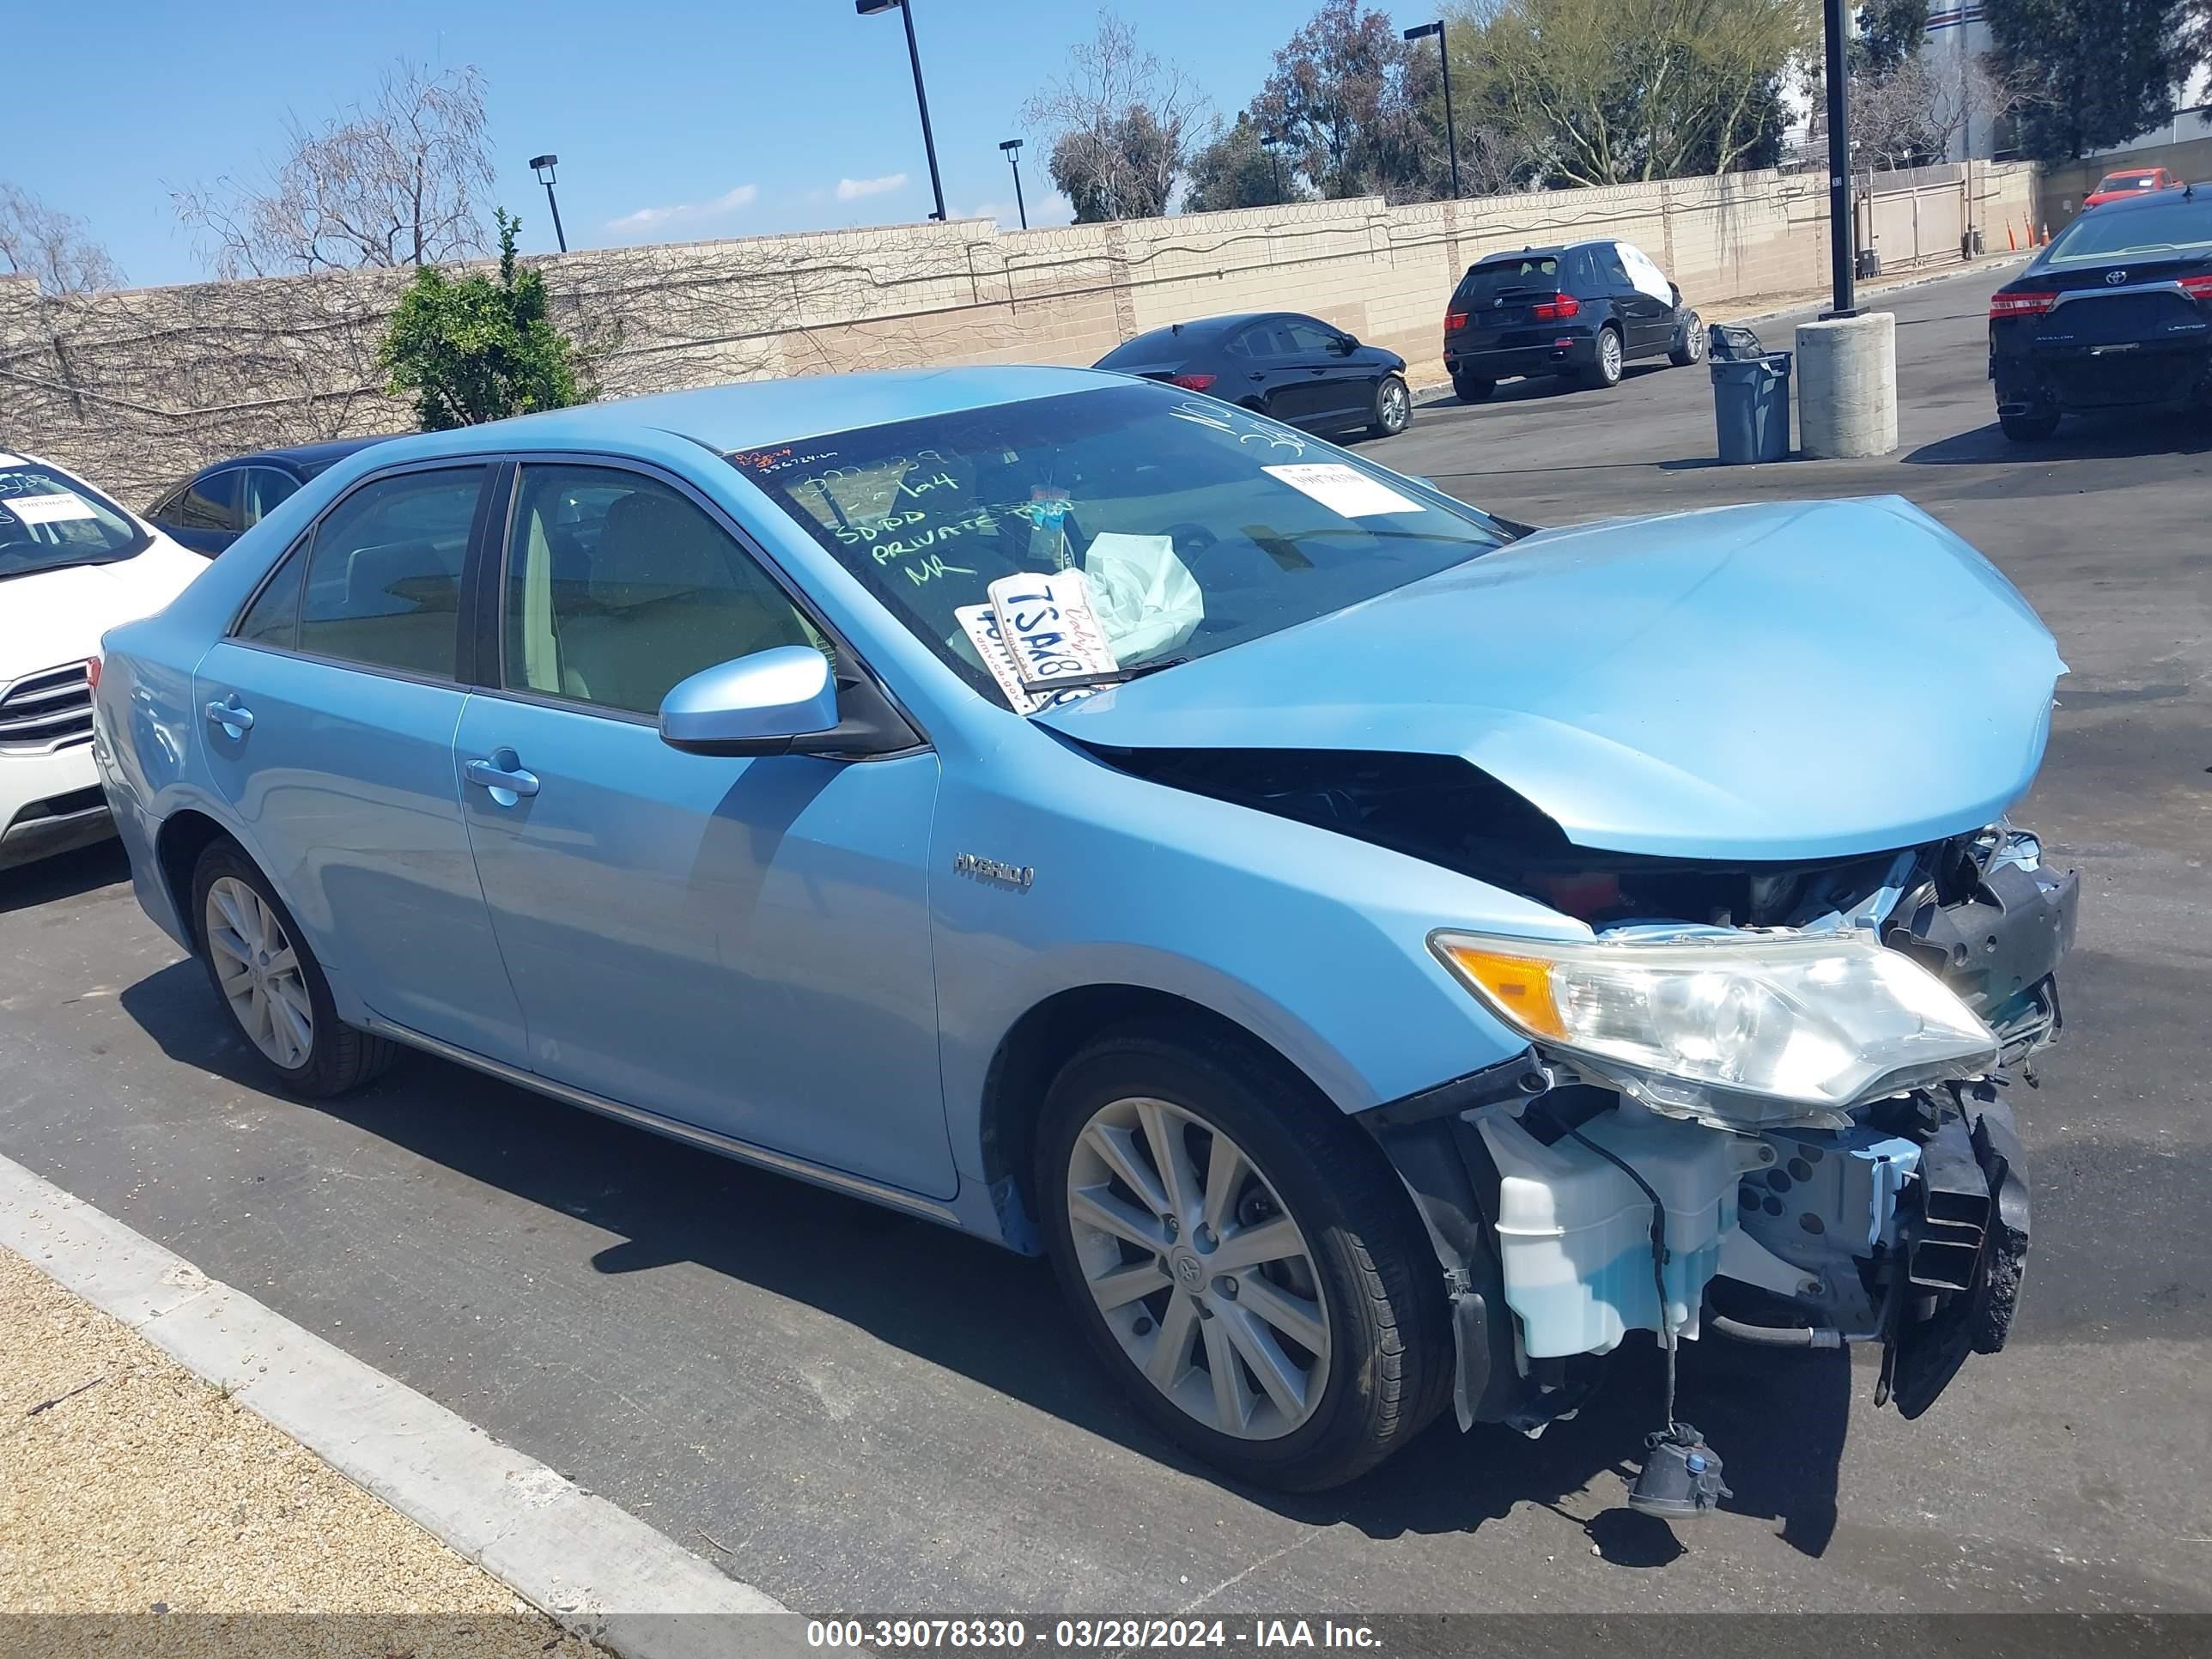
pixel 140 387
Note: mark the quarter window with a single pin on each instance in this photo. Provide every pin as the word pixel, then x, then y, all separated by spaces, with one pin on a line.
pixel 618 586
pixel 273 619
pixel 384 575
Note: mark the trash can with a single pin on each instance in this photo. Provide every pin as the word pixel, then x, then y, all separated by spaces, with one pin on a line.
pixel 1750 396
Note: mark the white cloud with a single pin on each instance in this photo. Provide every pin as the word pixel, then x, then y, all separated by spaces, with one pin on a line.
pixel 651 218
pixel 851 190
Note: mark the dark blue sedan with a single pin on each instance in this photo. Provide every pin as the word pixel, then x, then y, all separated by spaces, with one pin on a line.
pixel 216 505
pixel 1295 368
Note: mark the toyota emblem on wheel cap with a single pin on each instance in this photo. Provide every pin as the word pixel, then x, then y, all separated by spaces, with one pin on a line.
pixel 2115 278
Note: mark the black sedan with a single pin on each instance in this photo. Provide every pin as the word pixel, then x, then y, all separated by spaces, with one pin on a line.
pixel 1582 310
pixel 2117 312
pixel 218 504
pixel 1296 368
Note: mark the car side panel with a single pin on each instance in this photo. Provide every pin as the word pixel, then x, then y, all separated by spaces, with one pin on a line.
pixel 1314 943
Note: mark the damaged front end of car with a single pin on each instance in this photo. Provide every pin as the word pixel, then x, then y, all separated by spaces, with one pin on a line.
pixel 1763 1100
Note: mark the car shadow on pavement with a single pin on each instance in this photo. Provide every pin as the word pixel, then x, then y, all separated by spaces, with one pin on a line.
pixel 2118 436
pixel 1778 1420
pixel 65 876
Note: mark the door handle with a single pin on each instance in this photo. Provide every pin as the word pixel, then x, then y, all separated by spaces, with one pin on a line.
pixel 234 717
pixel 510 781
pixel 1257 375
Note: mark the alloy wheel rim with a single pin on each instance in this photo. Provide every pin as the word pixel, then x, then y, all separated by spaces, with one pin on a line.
pixel 259 972
pixel 1697 343
pixel 1609 349
pixel 1393 406
pixel 1199 1269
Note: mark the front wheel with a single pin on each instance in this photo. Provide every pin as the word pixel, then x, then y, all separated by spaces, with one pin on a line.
pixel 1605 368
pixel 1393 408
pixel 271 983
pixel 1240 1257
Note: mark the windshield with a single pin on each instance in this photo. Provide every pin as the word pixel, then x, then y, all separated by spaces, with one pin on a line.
pixel 48 520
pixel 1195 525
pixel 2175 226
pixel 2125 181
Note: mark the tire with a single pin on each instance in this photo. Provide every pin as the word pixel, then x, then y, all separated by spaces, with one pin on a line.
pixel 1393 408
pixel 2030 429
pixel 1605 365
pixel 1356 1271
pixel 329 1057
pixel 1691 350
pixel 1474 392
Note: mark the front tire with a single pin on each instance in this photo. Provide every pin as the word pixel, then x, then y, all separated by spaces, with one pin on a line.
pixel 271 984
pixel 1605 367
pixel 1242 1258
pixel 1393 408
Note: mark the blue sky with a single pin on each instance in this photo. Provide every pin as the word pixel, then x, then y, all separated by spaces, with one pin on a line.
pixel 674 120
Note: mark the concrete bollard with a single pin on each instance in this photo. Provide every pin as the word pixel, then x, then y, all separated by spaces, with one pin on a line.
pixel 1847 386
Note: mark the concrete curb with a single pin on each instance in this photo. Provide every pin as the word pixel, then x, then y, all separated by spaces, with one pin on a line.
pixel 598 1571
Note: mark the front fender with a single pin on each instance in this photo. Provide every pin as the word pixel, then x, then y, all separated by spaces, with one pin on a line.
pixel 1078 875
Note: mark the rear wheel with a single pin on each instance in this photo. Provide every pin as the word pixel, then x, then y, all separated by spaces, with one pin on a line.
pixel 1239 1257
pixel 1605 368
pixel 271 983
pixel 1472 391
pixel 1393 408
pixel 1689 342
pixel 2030 429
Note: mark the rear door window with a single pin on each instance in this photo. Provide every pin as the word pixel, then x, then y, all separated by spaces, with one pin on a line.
pixel 210 503
pixel 264 487
pixel 384 575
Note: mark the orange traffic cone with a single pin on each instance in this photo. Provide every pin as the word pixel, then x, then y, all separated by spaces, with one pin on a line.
pixel 2012 242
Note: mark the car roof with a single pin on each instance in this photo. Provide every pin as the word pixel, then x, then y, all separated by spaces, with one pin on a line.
pixel 305 458
pixel 2147 201
pixel 751 413
pixel 1551 252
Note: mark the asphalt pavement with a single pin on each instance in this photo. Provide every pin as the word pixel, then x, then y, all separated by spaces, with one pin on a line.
pixel 858 1412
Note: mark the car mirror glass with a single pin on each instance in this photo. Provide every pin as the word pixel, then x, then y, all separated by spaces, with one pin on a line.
pixel 759 704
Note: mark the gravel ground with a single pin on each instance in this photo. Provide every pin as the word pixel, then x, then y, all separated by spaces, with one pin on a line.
pixel 132 1489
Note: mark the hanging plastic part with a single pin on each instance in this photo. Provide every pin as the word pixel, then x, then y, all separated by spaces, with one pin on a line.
pixel 1681 1475
pixel 1681 1478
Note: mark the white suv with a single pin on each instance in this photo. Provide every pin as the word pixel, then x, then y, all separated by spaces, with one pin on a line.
pixel 73 564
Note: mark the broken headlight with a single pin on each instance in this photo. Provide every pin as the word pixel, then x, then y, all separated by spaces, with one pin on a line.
pixel 1739 1029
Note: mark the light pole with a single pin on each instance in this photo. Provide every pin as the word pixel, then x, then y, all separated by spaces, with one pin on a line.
pixel 1841 214
pixel 1444 56
pixel 1267 141
pixel 1013 149
pixel 869 8
pixel 544 166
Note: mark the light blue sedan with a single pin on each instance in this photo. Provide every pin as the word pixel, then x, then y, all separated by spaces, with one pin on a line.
pixel 1382 955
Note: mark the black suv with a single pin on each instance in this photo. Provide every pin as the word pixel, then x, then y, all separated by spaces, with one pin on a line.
pixel 1583 310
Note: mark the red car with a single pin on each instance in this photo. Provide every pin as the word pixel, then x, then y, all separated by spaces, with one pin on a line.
pixel 2132 182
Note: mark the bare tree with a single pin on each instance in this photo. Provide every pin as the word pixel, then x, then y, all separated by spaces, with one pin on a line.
pixel 54 249
pixel 1123 123
pixel 392 182
pixel 1910 114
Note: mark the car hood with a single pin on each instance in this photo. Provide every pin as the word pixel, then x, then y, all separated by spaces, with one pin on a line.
pixel 48 617
pixel 1794 681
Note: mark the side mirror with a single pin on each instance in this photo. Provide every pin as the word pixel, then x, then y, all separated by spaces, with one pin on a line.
pixel 1345 345
pixel 758 705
